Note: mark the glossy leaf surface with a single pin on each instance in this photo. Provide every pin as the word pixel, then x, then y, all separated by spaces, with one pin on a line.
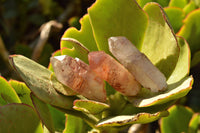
pixel 112 18
pixel 22 91
pixel 84 36
pixel 191 31
pixel 7 93
pixel 74 125
pixel 177 121
pixel 176 16
pixel 160 44
pixel 19 118
pixel 43 112
pixel 89 106
pixel 131 119
pixel 38 80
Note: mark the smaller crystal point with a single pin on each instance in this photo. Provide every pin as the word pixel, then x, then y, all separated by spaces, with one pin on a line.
pixel 77 75
pixel 114 73
pixel 137 63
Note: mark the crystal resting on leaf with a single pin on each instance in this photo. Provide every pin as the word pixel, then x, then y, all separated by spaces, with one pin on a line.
pixel 114 73
pixel 77 75
pixel 137 63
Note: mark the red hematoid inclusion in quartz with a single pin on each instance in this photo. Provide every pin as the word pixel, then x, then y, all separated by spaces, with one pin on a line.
pixel 78 76
pixel 114 73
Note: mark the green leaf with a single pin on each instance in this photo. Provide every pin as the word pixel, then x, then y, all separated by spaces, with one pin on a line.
pixel 177 121
pixel 58 118
pixel 183 65
pixel 117 18
pixel 189 7
pixel 197 3
pixel 194 123
pixel 131 119
pixel 38 80
pixel 7 93
pixel 130 109
pixel 176 16
pixel 60 87
pixel 163 3
pixel 89 106
pixel 74 125
pixel 142 3
pixel 191 30
pixel 174 91
pixel 160 44
pixel 178 82
pixel 74 49
pixel 22 91
pixel 84 36
pixel 19 118
pixel 178 3
pixel 43 112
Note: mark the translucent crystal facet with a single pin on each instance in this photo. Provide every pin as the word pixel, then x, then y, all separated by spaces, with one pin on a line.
pixel 137 63
pixel 77 75
pixel 114 73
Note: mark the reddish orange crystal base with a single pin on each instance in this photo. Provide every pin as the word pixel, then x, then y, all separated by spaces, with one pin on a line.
pixel 77 75
pixel 114 73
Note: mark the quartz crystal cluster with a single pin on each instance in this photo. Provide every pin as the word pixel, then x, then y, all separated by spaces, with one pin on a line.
pixel 134 72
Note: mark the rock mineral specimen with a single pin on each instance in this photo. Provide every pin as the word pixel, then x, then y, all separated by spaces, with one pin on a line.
pixel 137 63
pixel 114 73
pixel 77 75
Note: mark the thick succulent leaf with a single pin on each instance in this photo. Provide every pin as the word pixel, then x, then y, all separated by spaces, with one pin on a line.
pixel 142 3
pixel 195 59
pixel 175 16
pixel 89 106
pixel 191 30
pixel 84 36
pixel 38 80
pixel 58 118
pixel 43 112
pixel 177 121
pixel 22 91
pixel 163 3
pixel 117 18
pixel 76 50
pixel 7 93
pixel 174 91
pixel 131 119
pixel 160 44
pixel 197 3
pixel 183 65
pixel 60 87
pixel 194 123
pixel 19 118
pixel 129 109
pixel 74 125
pixel 177 87
pixel 189 7
pixel 178 3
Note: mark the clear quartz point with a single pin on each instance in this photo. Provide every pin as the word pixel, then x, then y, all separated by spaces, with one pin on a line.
pixel 137 63
pixel 114 73
pixel 77 75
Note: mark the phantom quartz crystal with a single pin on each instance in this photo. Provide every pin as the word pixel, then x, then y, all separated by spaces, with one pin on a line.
pixel 137 63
